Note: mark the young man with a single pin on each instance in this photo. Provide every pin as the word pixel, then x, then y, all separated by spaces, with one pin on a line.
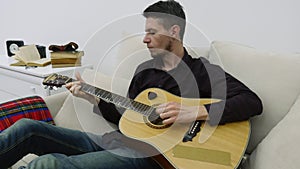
pixel 171 69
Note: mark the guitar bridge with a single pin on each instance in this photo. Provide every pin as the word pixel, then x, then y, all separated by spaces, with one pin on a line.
pixel 192 132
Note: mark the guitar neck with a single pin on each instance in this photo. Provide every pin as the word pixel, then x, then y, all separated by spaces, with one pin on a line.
pixel 116 99
pixel 56 80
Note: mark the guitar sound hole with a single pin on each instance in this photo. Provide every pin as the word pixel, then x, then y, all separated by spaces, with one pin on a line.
pixel 154 121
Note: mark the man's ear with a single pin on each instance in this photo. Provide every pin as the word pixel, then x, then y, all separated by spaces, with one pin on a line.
pixel 174 31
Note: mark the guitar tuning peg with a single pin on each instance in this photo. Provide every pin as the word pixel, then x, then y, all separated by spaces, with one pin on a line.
pixel 54 87
pixel 51 88
pixel 46 87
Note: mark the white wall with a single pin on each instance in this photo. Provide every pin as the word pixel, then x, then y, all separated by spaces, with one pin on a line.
pixel 268 24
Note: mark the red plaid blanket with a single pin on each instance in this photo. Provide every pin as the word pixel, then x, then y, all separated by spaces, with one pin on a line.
pixel 32 107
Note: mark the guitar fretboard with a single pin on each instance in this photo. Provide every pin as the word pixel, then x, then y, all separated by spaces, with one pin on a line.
pixel 117 100
pixel 56 80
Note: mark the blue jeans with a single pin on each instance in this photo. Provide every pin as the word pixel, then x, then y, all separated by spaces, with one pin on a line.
pixel 61 148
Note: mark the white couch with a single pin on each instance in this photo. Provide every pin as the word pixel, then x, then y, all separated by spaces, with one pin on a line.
pixel 274 77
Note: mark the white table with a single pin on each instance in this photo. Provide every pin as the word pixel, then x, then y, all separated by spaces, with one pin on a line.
pixel 16 81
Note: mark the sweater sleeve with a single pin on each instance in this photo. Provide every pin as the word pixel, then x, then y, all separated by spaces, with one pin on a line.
pixel 110 112
pixel 238 101
pixel 240 104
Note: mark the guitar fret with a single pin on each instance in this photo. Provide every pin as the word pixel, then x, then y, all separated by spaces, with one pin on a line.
pixel 84 87
pixel 134 106
pixel 88 89
pixel 142 108
pixel 148 110
pixel 139 107
pixel 100 93
pixel 114 96
pixel 127 103
pixel 147 113
pixel 106 95
pixel 121 101
pixel 145 108
pixel 117 100
pixel 91 90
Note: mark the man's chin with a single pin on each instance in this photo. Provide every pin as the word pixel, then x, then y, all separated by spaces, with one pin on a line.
pixel 153 53
pixel 156 53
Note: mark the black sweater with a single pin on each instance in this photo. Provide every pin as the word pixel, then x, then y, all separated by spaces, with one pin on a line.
pixel 193 78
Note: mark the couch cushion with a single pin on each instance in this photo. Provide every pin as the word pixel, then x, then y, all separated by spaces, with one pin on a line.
pixel 196 52
pixel 67 117
pixel 273 76
pixel 77 113
pixel 280 148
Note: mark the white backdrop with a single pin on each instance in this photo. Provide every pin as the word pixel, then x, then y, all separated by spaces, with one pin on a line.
pixel 268 24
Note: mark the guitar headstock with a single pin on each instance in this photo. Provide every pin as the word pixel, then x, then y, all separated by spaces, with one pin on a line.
pixel 56 80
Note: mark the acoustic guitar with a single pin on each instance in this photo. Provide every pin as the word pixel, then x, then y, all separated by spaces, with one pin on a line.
pixel 184 146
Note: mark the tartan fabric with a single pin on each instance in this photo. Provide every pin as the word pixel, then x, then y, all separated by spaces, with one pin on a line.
pixel 32 107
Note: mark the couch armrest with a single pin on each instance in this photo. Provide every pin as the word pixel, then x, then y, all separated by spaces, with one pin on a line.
pixel 55 102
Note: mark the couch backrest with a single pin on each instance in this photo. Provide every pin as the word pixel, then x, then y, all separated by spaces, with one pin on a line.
pixel 274 77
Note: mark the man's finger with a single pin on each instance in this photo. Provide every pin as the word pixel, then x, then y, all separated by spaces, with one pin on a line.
pixel 78 77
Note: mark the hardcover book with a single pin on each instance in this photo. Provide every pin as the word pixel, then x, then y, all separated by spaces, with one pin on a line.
pixel 66 58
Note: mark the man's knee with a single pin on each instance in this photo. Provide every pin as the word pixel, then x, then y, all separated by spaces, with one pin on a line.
pixel 48 161
pixel 26 124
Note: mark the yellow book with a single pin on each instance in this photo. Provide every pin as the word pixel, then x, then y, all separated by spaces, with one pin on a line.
pixel 65 60
pixel 65 65
pixel 66 54
pixel 29 56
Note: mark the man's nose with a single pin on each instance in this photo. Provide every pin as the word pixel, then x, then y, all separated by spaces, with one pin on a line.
pixel 146 39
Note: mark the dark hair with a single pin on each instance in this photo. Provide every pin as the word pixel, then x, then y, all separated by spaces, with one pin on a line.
pixel 170 11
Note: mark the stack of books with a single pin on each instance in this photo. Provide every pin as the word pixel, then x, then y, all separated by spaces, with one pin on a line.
pixel 66 58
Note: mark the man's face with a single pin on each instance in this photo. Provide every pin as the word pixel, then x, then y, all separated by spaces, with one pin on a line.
pixel 157 38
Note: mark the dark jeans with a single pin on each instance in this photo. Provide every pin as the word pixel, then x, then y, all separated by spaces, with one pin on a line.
pixel 61 148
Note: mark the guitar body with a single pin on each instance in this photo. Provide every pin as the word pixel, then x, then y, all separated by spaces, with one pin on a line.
pixel 230 139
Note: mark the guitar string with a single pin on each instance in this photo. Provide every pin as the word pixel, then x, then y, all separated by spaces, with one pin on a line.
pixel 119 100
pixel 110 97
